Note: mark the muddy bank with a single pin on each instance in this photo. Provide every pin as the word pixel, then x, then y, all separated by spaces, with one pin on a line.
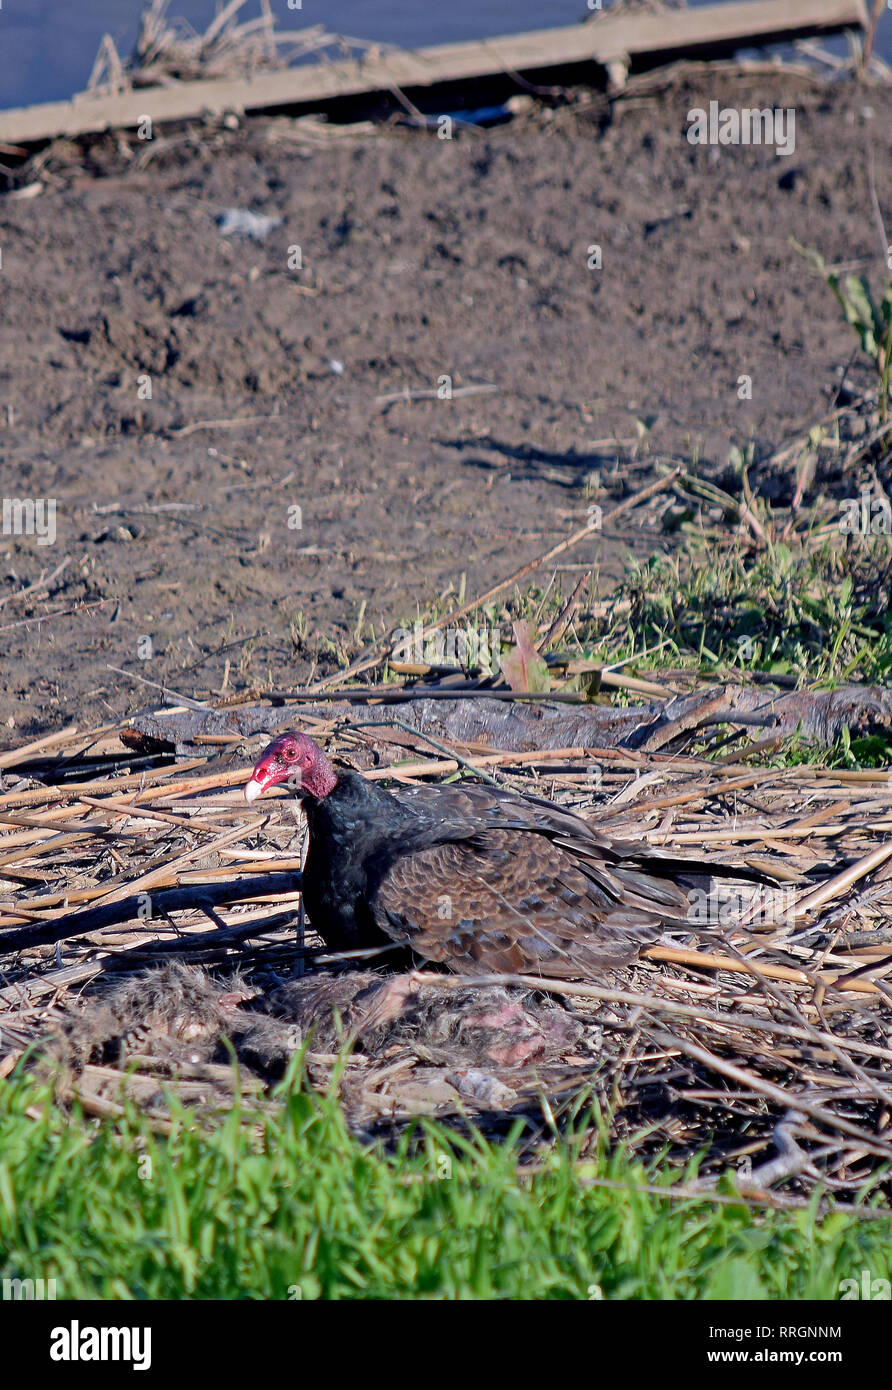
pixel 421 260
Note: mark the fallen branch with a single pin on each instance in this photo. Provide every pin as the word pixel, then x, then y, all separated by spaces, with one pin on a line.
pixel 161 901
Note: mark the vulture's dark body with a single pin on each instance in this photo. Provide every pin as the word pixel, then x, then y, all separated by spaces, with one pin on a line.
pixel 484 880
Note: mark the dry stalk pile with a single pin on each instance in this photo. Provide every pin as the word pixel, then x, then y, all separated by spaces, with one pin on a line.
pixel 765 1043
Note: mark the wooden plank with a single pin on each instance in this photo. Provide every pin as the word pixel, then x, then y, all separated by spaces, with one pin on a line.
pixel 606 40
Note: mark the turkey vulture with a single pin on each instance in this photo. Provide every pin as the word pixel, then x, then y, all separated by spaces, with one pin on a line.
pixel 476 877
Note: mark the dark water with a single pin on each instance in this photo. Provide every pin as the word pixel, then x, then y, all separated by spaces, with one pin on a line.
pixel 47 47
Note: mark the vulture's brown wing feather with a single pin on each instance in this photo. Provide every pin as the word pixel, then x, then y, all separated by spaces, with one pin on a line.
pixel 458 809
pixel 511 901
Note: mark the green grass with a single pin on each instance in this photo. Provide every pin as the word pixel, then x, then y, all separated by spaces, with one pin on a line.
pixel 820 615
pixel 292 1206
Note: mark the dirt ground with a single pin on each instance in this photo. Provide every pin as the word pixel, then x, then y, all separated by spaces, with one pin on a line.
pixel 421 259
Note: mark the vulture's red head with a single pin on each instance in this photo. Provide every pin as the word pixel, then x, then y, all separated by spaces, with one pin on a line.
pixel 295 759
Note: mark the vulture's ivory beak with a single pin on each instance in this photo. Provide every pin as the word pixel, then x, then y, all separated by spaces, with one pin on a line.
pixel 253 789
